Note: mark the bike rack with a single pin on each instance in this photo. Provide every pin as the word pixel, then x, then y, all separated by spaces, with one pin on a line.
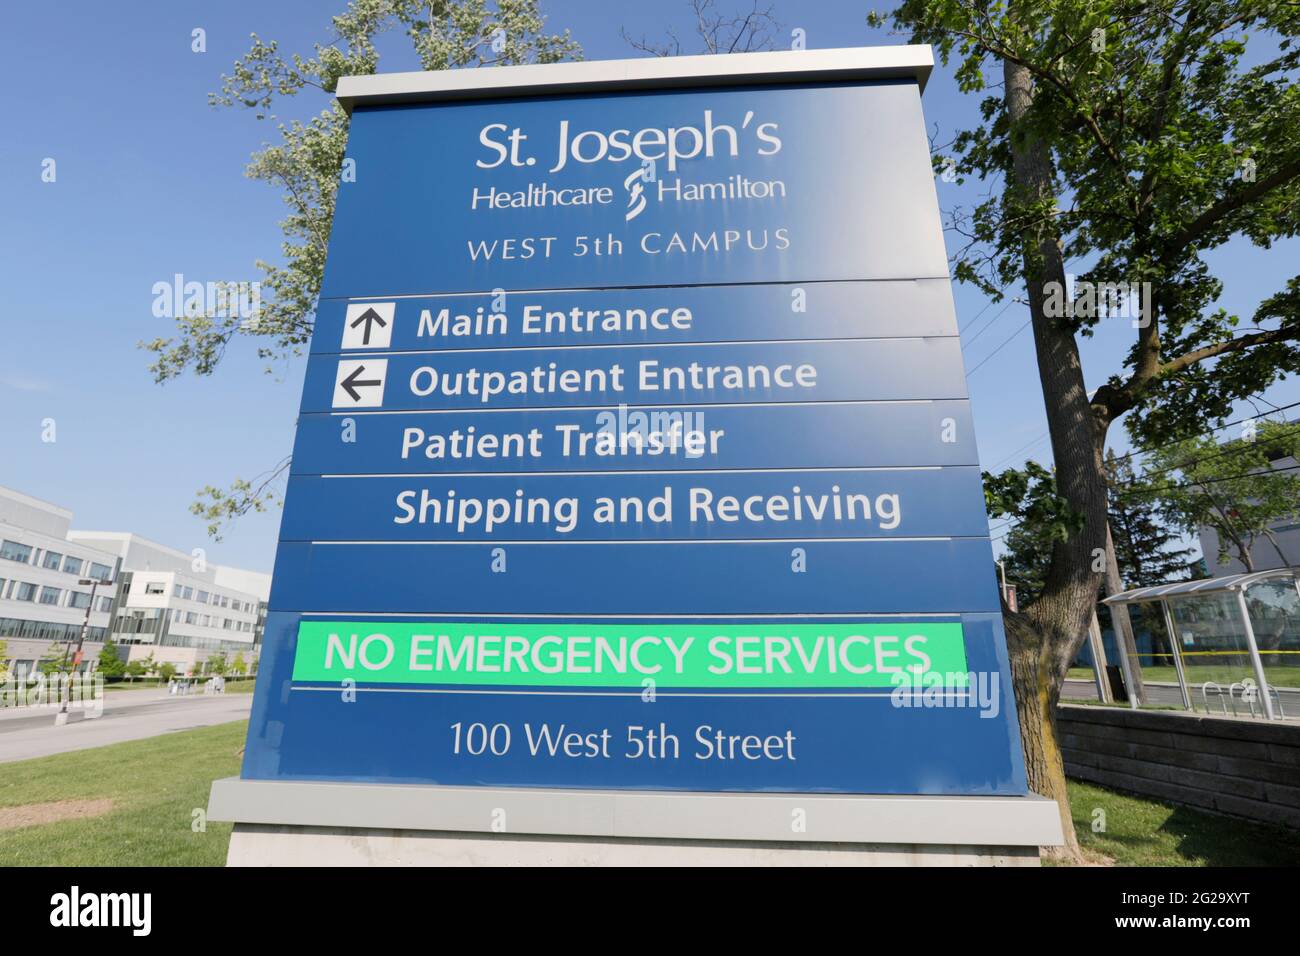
pixel 1206 688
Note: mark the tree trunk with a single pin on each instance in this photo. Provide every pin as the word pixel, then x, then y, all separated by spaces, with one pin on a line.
pixel 1061 614
pixel 1036 696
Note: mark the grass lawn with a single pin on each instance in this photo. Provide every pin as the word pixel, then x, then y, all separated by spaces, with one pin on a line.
pixel 1094 702
pixel 1142 832
pixel 156 784
pixel 1200 673
pixel 149 684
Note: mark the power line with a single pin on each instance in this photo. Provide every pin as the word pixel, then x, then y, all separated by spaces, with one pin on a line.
pixel 1143 451
pixel 988 305
pixel 1209 431
pixel 988 325
pixel 1020 449
pixel 1221 454
pixel 999 348
pixel 1208 481
pixel 975 318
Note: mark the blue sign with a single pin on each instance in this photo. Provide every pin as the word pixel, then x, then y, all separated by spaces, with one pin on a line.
pixel 731 186
pixel 635 452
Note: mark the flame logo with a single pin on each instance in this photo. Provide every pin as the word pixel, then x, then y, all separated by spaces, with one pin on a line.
pixel 635 194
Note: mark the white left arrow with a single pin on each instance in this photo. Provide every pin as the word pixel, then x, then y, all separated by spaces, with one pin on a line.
pixel 360 383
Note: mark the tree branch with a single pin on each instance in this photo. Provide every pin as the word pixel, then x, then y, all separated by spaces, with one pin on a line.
pixel 1227 205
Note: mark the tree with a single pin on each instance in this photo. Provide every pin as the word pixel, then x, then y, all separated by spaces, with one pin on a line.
pixel 1029 497
pixel 1139 136
pixel 718 31
pixel 1025 563
pixel 6 675
pixel 1145 549
pixel 1232 488
pixel 217 663
pixel 134 669
pixel 238 666
pixel 55 660
pixel 110 665
pixel 166 671
pixel 307 165
pixel 1145 545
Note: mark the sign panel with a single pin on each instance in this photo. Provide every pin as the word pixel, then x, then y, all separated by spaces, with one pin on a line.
pixel 638 455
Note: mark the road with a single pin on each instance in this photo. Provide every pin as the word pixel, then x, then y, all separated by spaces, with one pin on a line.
pixel 27 732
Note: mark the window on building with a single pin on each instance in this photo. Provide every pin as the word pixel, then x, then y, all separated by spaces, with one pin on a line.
pixel 202 597
pixel 155 587
pixel 100 572
pixel 189 593
pixel 52 560
pixel 72 565
pixel 14 551
pixel 105 604
pixel 190 617
pixel 178 590
pixel 78 599
pixel 51 596
pixel 24 591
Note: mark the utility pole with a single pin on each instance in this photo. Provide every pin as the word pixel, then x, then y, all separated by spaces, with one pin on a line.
pixel 1099 660
pixel 62 717
pixel 1124 639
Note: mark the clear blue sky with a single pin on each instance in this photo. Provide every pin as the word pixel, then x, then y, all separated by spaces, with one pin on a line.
pixel 150 183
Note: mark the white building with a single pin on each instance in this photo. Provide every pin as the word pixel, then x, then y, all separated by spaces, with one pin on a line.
pixel 1263 552
pixel 163 604
pixel 42 600
pixel 175 607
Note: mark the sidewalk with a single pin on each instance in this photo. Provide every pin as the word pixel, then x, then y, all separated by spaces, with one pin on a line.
pixel 114 700
pixel 27 732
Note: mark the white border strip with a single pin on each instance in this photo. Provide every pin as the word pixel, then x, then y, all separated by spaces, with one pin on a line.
pixel 912 62
pixel 642 814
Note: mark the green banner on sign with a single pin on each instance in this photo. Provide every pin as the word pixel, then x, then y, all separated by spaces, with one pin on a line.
pixel 707 656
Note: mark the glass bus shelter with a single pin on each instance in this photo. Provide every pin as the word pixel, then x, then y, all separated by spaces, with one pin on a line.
pixel 1232 639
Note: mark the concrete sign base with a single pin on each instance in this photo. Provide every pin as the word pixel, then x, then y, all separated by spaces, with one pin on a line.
pixel 315 823
pixel 258 845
